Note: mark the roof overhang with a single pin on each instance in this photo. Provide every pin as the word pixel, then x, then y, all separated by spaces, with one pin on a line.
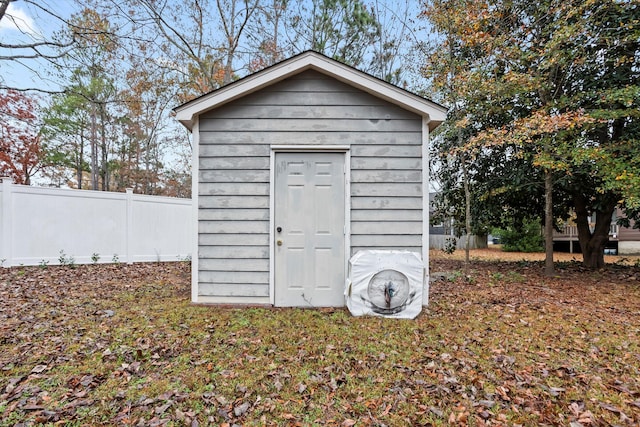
pixel 434 113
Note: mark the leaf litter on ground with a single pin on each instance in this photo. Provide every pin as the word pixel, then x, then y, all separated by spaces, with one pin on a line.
pixel 123 345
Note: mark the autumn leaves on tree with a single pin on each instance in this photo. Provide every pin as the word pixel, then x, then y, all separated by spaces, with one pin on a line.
pixel 543 96
pixel 546 96
pixel 120 66
pixel 20 151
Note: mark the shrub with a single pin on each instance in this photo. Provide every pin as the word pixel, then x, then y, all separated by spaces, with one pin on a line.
pixel 450 244
pixel 527 238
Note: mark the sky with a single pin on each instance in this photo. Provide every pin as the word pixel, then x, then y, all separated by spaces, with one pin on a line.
pixel 17 20
pixel 22 24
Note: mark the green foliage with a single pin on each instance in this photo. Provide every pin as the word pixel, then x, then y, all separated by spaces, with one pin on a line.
pixel 341 29
pixel 95 257
pixel 64 132
pixel 535 88
pixel 450 244
pixel 67 260
pixel 526 237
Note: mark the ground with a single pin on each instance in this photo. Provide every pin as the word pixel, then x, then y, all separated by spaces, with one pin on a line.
pixel 501 345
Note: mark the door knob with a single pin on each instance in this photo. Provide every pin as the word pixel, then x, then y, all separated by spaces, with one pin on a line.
pixel 279 229
pixel 279 242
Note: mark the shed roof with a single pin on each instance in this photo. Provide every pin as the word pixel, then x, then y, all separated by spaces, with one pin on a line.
pixel 310 60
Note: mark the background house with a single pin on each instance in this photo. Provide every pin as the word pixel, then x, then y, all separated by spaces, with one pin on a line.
pixel 622 240
pixel 442 232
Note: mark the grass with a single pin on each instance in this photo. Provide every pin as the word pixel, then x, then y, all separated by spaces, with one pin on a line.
pixel 120 345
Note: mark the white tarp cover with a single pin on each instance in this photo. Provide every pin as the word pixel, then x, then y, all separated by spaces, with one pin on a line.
pixel 385 283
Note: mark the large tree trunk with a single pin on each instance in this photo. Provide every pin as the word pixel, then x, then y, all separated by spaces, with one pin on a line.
pixel 593 243
pixel 94 148
pixel 548 223
pixel 104 168
pixel 80 158
pixel 467 215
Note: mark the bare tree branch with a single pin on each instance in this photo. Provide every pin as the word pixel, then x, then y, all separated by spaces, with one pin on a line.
pixel 35 45
pixel 32 89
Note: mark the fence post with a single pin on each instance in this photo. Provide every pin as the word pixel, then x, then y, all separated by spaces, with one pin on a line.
pixel 6 243
pixel 129 227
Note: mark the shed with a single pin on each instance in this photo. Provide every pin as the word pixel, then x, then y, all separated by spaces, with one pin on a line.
pixel 295 169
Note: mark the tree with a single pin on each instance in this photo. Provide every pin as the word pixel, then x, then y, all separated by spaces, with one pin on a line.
pixel 4 5
pixel 200 40
pixel 32 52
pixel 265 34
pixel 146 98
pixel 90 71
pixel 234 17
pixel 392 48
pixel 343 30
pixel 557 94
pixel 606 38
pixel 65 139
pixel 35 48
pixel 20 152
pixel 119 66
pixel 448 70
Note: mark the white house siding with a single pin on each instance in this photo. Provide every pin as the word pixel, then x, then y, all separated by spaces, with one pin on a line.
pixel 306 109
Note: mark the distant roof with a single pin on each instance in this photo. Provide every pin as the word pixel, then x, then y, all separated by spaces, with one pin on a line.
pixel 310 60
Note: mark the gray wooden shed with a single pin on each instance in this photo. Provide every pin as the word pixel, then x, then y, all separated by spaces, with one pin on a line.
pixel 295 169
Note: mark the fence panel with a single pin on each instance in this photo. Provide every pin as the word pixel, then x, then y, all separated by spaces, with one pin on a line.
pixel 50 226
pixel 439 241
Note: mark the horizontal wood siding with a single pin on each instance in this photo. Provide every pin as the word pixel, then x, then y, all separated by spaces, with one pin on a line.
pixel 308 109
pixel 629 234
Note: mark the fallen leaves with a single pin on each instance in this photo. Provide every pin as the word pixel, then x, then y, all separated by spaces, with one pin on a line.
pixel 123 344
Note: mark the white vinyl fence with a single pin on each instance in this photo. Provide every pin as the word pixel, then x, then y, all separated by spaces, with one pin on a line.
pixel 51 226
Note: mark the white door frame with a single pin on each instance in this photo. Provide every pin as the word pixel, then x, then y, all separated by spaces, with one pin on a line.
pixel 347 201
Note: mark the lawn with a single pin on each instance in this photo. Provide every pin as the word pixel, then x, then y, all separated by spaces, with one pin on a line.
pixel 122 345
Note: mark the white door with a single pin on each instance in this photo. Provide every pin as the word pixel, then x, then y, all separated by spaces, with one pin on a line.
pixel 309 230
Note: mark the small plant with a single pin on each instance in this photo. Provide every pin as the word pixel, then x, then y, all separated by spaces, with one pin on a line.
pixel 184 258
pixel 2 261
pixel 450 244
pixel 44 264
pixel 95 258
pixel 115 259
pixel 66 260
pixel 454 276
pixel 515 277
pixel 497 275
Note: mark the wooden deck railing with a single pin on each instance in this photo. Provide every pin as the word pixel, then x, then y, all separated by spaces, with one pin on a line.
pixel 571 231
